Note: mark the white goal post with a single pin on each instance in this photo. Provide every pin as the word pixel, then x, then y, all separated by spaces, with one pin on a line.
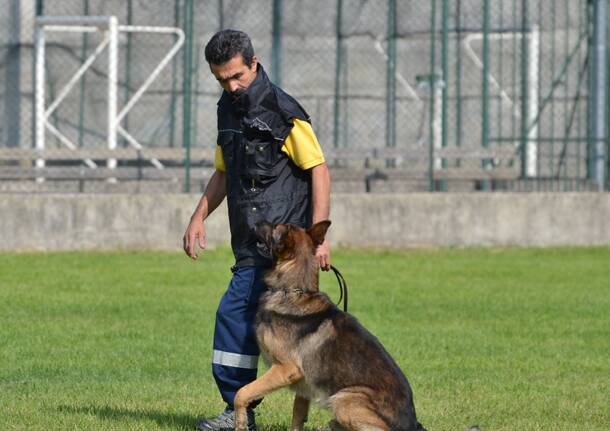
pixel 110 29
pixel 533 52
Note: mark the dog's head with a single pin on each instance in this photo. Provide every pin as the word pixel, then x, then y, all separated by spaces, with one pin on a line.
pixel 284 242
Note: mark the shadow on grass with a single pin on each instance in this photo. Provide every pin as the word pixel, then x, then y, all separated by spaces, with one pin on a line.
pixel 285 427
pixel 176 420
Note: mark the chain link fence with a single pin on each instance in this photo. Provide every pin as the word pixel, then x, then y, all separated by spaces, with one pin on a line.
pixel 455 95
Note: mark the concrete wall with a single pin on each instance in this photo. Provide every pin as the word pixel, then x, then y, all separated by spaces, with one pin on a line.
pixel 108 222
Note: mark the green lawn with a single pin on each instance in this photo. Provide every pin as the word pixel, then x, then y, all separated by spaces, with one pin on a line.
pixel 510 339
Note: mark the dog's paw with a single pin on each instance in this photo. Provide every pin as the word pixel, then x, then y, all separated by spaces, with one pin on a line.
pixel 474 428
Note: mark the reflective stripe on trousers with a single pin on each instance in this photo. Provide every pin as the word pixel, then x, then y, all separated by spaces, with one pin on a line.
pixel 235 357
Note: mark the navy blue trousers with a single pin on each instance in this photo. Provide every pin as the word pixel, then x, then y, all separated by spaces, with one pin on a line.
pixel 235 358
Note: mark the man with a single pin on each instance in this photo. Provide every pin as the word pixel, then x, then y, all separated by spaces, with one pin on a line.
pixel 270 167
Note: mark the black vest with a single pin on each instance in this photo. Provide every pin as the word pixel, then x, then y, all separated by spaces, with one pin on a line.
pixel 263 184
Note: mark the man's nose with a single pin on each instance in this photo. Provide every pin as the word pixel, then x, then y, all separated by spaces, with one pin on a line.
pixel 233 86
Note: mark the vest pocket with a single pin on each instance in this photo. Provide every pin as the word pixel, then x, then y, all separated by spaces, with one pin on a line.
pixel 260 155
pixel 261 160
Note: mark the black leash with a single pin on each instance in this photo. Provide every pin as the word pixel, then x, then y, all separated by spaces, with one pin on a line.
pixel 342 288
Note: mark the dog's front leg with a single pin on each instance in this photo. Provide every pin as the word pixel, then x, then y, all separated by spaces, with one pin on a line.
pixel 278 376
pixel 299 413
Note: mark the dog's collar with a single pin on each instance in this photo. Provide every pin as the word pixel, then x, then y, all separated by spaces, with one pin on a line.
pixel 297 290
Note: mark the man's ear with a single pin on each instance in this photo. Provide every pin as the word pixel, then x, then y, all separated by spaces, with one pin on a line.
pixel 318 231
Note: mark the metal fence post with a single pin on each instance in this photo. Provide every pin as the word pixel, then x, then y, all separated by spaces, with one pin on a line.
pixel 390 113
pixel 113 88
pixel 524 89
pixel 459 133
pixel 83 83
pixel 174 90
pixel 12 86
pixel 188 65
pixel 590 159
pixel 444 85
pixel 221 14
pixel 276 54
pixel 607 171
pixel 599 92
pixel 485 104
pixel 36 136
pixel 445 66
pixel 338 72
pixel 531 147
pixel 432 97
pixel 128 61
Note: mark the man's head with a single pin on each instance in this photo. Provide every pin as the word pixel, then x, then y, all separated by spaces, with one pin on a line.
pixel 232 61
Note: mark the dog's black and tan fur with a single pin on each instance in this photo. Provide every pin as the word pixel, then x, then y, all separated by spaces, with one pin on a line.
pixel 322 353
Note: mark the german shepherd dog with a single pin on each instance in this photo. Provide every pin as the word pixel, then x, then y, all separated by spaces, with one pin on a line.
pixel 319 351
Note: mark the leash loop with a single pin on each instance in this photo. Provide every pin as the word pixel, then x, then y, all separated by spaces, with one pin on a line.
pixel 342 287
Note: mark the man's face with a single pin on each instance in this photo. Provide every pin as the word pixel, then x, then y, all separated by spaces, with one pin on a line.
pixel 234 76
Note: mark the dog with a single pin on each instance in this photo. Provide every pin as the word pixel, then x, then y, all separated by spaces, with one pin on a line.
pixel 324 354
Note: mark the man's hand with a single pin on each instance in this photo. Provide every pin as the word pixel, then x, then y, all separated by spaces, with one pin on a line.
pixel 214 193
pixel 323 256
pixel 194 231
pixel 320 188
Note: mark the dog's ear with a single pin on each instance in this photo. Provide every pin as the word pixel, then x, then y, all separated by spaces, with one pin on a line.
pixel 318 231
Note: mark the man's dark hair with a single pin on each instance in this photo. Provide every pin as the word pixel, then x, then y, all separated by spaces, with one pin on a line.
pixel 226 44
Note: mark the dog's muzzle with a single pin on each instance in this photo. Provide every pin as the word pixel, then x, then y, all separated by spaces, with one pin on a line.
pixel 263 249
pixel 263 233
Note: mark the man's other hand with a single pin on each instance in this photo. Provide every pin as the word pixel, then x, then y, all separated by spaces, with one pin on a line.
pixel 323 255
pixel 195 231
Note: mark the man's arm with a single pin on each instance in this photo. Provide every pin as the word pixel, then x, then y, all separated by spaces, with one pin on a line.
pixel 214 194
pixel 320 185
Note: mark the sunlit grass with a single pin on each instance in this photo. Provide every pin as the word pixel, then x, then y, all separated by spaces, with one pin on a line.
pixel 510 339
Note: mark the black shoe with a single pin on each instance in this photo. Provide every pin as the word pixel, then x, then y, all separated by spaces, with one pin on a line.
pixel 225 422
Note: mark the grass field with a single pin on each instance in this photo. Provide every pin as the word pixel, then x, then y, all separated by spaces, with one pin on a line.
pixel 510 339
